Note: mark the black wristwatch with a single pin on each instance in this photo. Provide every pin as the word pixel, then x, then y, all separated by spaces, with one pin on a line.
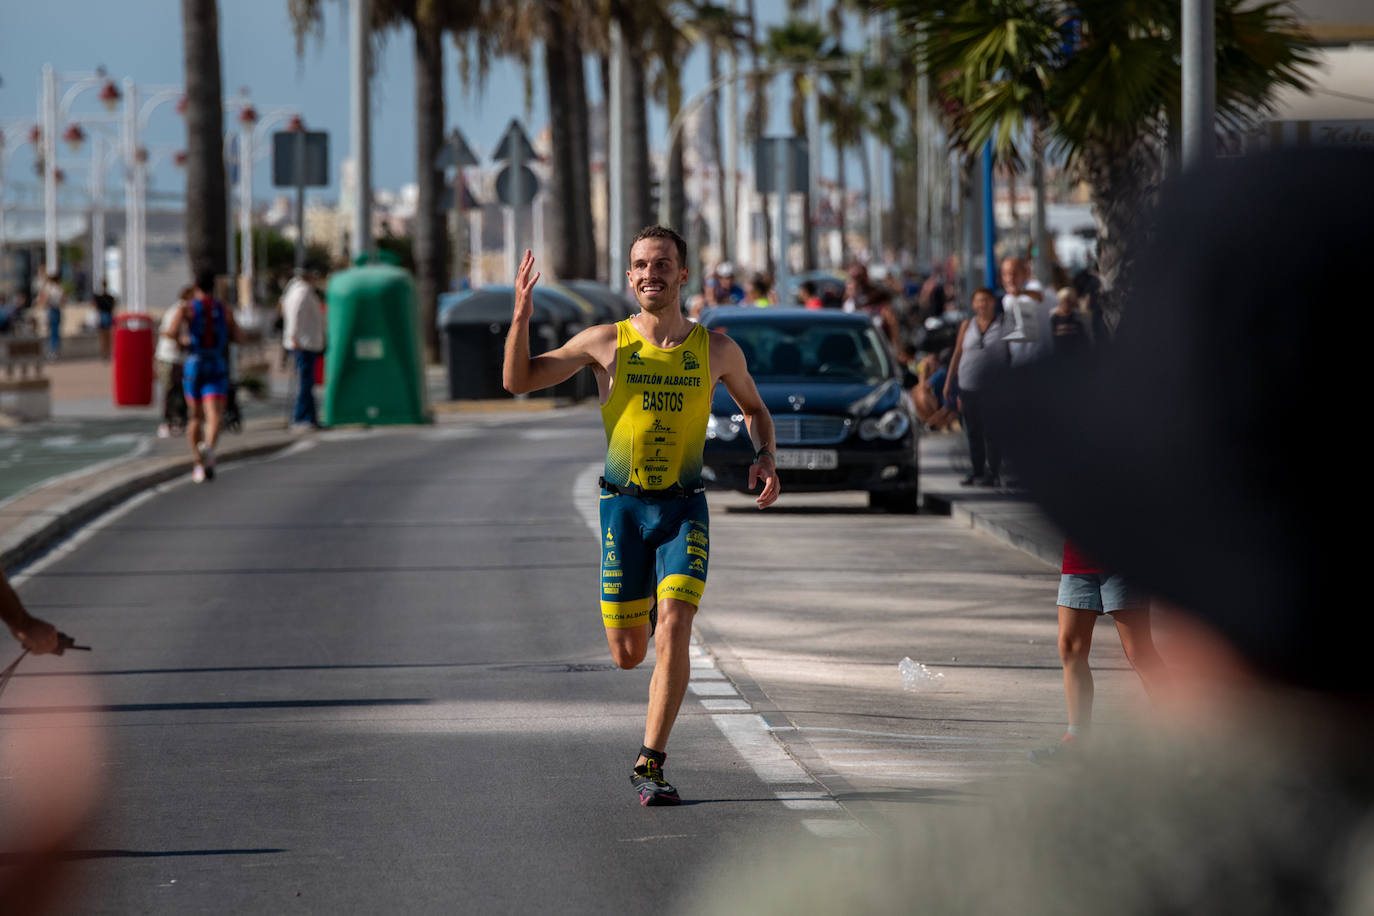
pixel 764 451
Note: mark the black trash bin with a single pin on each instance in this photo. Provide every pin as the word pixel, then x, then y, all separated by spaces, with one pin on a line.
pixel 474 326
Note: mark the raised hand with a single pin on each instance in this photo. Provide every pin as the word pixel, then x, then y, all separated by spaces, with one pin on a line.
pixel 525 278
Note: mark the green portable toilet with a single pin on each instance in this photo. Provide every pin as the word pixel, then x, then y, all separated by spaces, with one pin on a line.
pixel 374 363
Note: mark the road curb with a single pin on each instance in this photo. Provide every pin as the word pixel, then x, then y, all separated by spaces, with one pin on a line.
pixel 38 532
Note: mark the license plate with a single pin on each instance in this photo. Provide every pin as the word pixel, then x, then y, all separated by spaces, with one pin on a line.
pixel 808 459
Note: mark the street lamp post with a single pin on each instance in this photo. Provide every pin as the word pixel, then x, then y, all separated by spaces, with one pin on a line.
pixel 53 111
pixel 13 128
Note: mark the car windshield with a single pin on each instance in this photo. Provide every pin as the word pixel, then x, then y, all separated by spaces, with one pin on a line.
pixel 813 350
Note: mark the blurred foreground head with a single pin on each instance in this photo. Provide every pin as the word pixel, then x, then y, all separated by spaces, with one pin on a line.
pixel 1202 452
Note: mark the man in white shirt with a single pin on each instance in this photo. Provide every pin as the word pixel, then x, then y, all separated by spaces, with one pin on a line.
pixel 1027 317
pixel 303 335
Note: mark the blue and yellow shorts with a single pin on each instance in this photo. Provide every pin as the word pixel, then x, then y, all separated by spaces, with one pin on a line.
pixel 651 549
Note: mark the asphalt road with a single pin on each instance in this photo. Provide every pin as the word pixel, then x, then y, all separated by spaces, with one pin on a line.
pixel 369 675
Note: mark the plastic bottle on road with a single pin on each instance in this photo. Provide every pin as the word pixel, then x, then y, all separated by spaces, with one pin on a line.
pixel 917 677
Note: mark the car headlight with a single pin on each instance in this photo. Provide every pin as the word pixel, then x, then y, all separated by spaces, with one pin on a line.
pixel 891 425
pixel 726 429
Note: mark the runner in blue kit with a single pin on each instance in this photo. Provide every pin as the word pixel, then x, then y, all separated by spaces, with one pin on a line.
pixel 656 372
pixel 204 327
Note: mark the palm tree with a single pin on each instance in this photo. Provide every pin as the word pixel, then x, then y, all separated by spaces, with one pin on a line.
pixel 721 30
pixel 206 232
pixel 796 43
pixel 563 28
pixel 756 118
pixel 429 21
pixel 1103 105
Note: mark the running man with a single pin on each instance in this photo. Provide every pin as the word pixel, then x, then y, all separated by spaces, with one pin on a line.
pixel 655 372
pixel 209 328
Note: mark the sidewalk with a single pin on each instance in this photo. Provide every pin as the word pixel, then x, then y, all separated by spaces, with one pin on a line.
pixel 1007 515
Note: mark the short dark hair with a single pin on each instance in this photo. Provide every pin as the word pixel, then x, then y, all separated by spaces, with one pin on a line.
pixel 663 232
pixel 205 280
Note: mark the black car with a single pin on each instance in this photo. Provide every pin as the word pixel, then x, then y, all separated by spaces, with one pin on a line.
pixel 834 390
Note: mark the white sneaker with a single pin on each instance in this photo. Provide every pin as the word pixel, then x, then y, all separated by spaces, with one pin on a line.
pixel 198 474
pixel 164 431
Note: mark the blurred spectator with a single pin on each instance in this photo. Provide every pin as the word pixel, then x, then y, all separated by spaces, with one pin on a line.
pixel 1251 791
pixel 1023 302
pixel 1088 286
pixel 1068 329
pixel 51 298
pixel 978 353
pixel 722 288
pixel 760 290
pixel 932 408
pixel 104 318
pixel 1087 592
pixel 169 360
pixel 303 336
pixel 856 288
pixel 884 316
pixel 6 314
pixel 808 296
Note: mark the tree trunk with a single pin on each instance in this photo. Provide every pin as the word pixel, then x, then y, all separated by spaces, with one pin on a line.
pixel 206 232
pixel 583 226
pixel 841 207
pixel 717 156
pixel 430 237
pixel 613 258
pixel 562 236
pixel 1123 188
pixel 677 182
pixel 758 117
pixel 638 170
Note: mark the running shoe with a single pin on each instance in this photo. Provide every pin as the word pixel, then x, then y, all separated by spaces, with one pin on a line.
pixel 207 457
pixel 653 789
pixel 1054 754
pixel 198 474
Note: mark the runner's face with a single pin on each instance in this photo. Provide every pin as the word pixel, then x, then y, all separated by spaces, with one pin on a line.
pixel 655 274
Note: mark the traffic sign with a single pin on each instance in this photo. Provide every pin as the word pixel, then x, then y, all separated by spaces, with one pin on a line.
pixel 313 156
pixel 766 171
pixel 529 186
pixel 455 152
pixel 514 144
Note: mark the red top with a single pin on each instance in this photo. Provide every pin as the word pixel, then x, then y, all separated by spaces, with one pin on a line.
pixel 1076 562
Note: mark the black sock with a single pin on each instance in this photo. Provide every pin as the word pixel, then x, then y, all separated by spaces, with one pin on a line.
pixel 649 753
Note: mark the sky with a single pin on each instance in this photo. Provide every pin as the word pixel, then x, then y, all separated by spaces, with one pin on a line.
pixel 142 39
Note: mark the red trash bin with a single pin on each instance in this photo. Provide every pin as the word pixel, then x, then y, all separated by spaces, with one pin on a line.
pixel 133 360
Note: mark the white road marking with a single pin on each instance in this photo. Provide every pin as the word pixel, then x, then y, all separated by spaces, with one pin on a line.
pixel 726 705
pixel 808 801
pixel 712 688
pixel 754 741
pixel 836 829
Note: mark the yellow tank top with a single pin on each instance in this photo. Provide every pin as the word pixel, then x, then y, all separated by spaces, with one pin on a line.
pixel 656 415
